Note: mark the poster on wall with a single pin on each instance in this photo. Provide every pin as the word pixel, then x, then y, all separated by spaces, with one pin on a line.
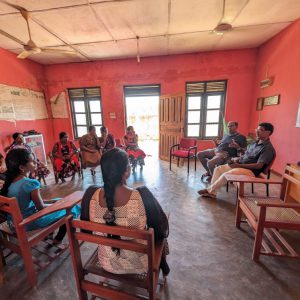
pixel 21 104
pixel 59 106
pixel 298 116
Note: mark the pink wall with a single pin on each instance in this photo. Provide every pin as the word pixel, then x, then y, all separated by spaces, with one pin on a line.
pixel 171 72
pixel 281 57
pixel 24 74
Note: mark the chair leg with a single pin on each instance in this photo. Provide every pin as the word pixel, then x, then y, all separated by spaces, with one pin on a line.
pixel 252 188
pixel 238 215
pixel 188 165
pixel 2 277
pixel 29 267
pixel 195 162
pixel 227 186
pixel 170 161
pixel 267 189
pixel 259 234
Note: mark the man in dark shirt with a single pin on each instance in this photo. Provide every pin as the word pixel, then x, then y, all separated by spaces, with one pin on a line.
pixel 257 156
pixel 226 149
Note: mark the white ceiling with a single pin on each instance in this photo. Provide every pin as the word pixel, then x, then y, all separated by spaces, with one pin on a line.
pixel 108 29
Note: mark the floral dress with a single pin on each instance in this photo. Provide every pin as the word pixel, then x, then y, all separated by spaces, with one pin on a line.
pixel 135 154
pixel 66 167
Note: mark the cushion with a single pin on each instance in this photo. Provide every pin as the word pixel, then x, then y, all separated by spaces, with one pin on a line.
pixel 183 153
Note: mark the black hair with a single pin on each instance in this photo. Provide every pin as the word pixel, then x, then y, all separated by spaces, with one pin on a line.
pixel 128 128
pixel 114 164
pixel 91 127
pixel 15 135
pixel 14 159
pixel 103 128
pixel 267 127
pixel 62 135
pixel 236 124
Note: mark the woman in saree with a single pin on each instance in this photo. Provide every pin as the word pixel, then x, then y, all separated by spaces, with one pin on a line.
pixel 90 150
pixel 135 154
pixel 65 157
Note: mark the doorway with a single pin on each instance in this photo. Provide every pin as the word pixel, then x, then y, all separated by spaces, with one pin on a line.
pixel 142 112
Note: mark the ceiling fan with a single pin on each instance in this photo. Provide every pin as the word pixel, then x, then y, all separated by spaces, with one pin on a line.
pixel 31 47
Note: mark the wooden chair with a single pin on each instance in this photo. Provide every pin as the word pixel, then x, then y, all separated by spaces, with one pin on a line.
pixel 22 242
pixel 56 175
pixel 265 174
pixel 185 149
pixel 107 285
pixel 267 215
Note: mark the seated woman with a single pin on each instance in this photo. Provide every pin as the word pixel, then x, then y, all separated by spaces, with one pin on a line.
pixel 90 150
pixel 41 170
pixel 107 140
pixel 136 155
pixel 20 163
pixel 118 204
pixel 65 157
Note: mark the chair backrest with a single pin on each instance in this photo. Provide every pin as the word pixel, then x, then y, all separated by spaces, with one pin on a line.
pixel 84 231
pixel 187 143
pixel 268 167
pixel 291 184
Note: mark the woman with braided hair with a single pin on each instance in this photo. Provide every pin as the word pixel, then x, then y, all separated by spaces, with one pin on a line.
pixel 118 204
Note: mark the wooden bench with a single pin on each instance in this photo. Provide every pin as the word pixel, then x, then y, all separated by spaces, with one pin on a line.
pixel 267 215
pixel 109 285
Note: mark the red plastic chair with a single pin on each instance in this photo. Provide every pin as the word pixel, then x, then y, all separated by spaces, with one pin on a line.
pixel 185 149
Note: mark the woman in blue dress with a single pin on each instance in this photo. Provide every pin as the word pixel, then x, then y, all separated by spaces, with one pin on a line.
pixel 20 163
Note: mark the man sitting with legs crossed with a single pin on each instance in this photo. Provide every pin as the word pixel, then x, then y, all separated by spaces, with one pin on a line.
pixel 257 156
pixel 226 149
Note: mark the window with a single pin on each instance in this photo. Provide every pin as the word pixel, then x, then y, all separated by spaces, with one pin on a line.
pixel 204 109
pixel 86 110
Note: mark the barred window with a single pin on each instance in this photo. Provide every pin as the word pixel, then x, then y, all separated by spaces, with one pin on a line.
pixel 86 109
pixel 205 109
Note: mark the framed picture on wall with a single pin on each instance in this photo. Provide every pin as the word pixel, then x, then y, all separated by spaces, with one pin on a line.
pixel 271 100
pixel 260 103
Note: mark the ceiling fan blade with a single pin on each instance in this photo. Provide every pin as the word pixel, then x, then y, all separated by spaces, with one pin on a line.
pixel 24 54
pixel 58 51
pixel 11 37
pixel 24 12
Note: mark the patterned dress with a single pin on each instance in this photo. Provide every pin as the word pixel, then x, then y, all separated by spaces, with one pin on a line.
pixel 135 154
pixel 69 167
pixel 131 215
pixel 110 143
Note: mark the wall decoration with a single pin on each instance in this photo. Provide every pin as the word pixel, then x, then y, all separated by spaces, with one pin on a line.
pixel 260 103
pixel 271 100
pixel 59 106
pixel 21 104
pixel 298 117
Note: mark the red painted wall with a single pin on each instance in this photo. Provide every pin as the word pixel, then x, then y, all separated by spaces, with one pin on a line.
pixel 171 72
pixel 281 57
pixel 24 74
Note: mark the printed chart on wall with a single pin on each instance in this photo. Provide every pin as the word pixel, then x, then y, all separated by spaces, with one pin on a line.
pixel 21 104
pixel 59 106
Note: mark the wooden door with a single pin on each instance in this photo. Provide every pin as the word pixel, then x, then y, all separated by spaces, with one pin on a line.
pixel 171 122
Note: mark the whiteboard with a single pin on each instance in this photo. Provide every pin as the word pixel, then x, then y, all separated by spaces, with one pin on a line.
pixel 21 104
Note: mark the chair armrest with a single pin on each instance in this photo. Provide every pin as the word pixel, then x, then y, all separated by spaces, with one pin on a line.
pixel 66 203
pixel 191 148
pixel 276 203
pixel 176 145
pixel 249 179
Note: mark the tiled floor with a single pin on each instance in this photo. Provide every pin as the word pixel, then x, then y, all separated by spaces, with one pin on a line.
pixel 209 259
